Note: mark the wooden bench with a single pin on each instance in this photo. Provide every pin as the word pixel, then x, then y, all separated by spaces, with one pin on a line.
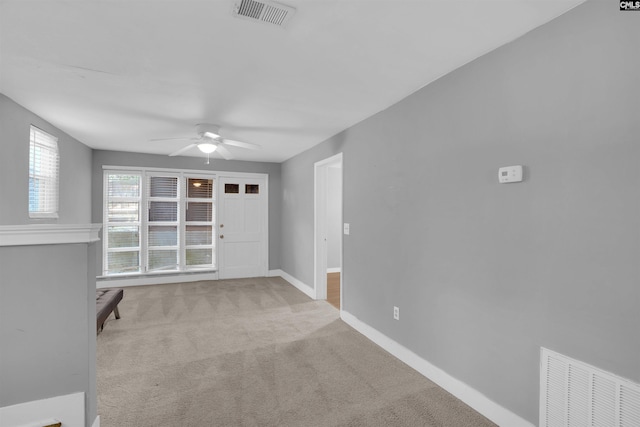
pixel 107 301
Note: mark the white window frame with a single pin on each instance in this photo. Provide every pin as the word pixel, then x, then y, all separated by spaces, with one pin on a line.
pixel 106 223
pixel 48 165
pixel 186 200
pixel 147 223
pixel 145 174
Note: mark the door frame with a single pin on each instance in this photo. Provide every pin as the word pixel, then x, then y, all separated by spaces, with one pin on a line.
pixel 321 171
pixel 265 219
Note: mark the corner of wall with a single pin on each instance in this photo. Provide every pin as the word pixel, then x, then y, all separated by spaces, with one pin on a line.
pixel 301 286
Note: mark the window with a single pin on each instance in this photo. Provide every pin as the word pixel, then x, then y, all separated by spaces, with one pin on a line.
pixel 163 222
pixel 232 188
pixel 43 174
pixel 122 222
pixel 252 189
pixel 174 233
pixel 199 220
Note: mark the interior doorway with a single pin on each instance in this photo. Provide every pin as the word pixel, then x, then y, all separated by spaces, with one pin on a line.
pixel 328 229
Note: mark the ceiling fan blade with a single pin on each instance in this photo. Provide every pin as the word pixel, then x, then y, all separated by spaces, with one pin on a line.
pixel 241 144
pixel 224 152
pixel 182 150
pixel 186 138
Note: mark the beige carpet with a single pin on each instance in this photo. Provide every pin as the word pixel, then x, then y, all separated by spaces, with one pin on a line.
pixel 254 352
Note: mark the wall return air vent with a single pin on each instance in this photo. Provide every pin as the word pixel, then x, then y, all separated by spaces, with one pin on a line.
pixel 574 394
pixel 268 12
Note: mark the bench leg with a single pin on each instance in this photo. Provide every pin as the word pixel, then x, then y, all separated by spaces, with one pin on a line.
pixel 116 312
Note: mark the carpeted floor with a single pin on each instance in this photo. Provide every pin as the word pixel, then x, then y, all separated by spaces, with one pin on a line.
pixel 254 352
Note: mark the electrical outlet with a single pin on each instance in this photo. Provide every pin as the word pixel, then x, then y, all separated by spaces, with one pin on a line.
pixel 396 313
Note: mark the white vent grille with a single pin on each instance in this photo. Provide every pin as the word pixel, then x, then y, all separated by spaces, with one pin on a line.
pixel 264 11
pixel 574 394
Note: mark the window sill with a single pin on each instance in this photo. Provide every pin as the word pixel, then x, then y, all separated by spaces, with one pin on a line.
pixel 155 278
pixel 43 215
pixel 156 273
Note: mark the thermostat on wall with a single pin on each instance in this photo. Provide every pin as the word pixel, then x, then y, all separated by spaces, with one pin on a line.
pixel 510 174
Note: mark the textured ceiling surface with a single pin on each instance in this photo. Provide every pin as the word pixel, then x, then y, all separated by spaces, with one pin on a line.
pixel 116 74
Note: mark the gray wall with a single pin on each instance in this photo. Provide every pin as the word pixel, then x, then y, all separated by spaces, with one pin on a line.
pixel 47 303
pixel 296 255
pixel 484 274
pixel 118 158
pixel 47 324
pixel 75 169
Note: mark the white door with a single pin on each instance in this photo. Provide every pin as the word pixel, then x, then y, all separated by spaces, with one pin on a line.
pixel 242 227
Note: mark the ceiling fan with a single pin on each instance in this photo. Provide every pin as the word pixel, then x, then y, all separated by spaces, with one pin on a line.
pixel 208 140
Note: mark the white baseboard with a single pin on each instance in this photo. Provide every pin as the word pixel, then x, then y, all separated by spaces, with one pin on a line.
pixel 67 409
pixel 496 413
pixel 334 270
pixel 156 279
pixel 274 273
pixel 301 286
pixel 96 422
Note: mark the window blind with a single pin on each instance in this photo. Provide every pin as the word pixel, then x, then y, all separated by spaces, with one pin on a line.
pixel 158 221
pixel 162 235
pixel 199 244
pixel 44 165
pixel 122 222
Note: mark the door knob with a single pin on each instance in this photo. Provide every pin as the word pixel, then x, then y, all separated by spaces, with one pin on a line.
pixel 222 236
pixel 221 225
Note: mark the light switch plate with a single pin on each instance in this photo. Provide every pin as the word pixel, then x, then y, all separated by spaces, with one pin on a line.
pixel 346 228
pixel 510 174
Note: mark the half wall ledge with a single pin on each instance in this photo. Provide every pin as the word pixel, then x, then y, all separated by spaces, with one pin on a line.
pixel 48 234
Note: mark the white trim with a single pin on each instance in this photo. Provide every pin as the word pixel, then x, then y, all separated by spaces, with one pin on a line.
pixel 470 396
pixel 105 215
pixel 96 422
pixel 265 219
pixel 334 270
pixel 240 174
pixel 67 409
pixel 44 167
pixel 152 279
pixel 301 286
pixel 48 234
pixel 40 423
pixel 188 171
pixel 143 222
pixel 43 215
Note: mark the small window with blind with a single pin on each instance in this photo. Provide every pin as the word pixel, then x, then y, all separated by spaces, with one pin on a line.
pixel 43 174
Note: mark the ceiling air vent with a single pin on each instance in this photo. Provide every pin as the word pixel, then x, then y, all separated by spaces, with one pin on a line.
pixel 264 11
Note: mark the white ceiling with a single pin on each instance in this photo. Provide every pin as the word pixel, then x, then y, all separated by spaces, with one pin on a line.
pixel 115 74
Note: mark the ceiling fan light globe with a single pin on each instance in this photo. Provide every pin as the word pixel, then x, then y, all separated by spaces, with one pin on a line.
pixel 207 147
